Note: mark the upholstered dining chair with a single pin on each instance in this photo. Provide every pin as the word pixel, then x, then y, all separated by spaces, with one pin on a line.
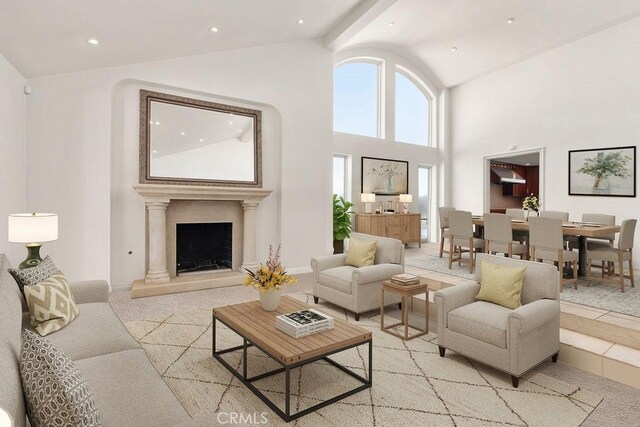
pixel 461 238
pixel 519 236
pixel 624 252
pixel 545 241
pixel 515 213
pixel 597 242
pixel 498 236
pixel 443 215
pixel 563 216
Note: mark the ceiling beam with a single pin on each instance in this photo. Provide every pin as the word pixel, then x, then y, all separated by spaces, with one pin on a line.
pixel 361 16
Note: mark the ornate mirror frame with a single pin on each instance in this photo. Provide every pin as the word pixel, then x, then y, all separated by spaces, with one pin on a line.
pixel 146 97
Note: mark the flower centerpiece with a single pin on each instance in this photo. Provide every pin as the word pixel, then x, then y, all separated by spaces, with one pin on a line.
pixel 530 204
pixel 268 279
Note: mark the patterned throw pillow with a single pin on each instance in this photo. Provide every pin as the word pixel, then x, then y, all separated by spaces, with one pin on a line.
pixel 55 392
pixel 34 275
pixel 51 304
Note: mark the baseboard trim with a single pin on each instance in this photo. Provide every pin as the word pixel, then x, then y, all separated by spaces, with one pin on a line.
pixel 119 288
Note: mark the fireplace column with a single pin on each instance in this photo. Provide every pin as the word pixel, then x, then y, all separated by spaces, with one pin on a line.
pixel 249 235
pixel 157 242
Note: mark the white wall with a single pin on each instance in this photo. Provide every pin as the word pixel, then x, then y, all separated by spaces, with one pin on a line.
pixel 75 118
pixel 585 94
pixel 13 155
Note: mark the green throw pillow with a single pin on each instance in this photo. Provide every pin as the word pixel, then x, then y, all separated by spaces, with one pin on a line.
pixel 501 285
pixel 361 252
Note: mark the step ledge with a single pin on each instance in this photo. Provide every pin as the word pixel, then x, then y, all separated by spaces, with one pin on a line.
pixel 623 354
pixel 584 342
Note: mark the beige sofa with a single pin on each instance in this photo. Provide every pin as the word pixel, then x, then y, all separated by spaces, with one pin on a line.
pixel 512 341
pixel 358 289
pixel 127 389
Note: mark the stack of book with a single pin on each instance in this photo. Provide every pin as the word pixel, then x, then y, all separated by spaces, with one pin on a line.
pixel 405 279
pixel 305 322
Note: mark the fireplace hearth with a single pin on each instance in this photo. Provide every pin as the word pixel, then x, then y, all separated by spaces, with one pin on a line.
pixel 204 247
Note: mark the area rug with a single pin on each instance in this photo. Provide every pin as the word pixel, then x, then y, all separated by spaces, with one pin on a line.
pixel 600 294
pixel 412 384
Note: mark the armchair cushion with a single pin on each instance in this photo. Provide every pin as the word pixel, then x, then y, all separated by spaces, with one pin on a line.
pixel 481 320
pixel 376 273
pixel 338 278
pixel 501 285
pixel 361 252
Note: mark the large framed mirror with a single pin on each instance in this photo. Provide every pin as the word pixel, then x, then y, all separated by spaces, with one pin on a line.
pixel 195 142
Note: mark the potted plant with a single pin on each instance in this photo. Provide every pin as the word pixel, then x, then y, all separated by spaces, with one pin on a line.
pixel 341 222
pixel 603 166
pixel 268 279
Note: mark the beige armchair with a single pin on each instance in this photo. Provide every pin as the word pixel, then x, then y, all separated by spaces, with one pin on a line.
pixel 513 341
pixel 358 289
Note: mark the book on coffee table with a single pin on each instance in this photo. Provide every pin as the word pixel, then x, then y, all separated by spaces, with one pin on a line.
pixel 405 279
pixel 304 322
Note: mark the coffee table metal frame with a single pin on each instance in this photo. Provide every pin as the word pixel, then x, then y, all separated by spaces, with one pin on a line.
pixel 286 415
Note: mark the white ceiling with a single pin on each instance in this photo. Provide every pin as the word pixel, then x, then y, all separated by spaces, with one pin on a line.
pixel 49 37
pixel 426 30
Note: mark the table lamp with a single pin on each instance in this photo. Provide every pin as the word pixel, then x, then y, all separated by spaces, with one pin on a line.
pixel 367 199
pixel 32 229
pixel 405 199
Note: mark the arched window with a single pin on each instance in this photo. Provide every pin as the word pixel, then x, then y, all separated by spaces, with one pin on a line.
pixel 412 111
pixel 356 98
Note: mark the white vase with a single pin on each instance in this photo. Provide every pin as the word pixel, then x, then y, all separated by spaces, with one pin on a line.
pixel 270 299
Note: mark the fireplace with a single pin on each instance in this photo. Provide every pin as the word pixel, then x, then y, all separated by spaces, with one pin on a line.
pixel 204 247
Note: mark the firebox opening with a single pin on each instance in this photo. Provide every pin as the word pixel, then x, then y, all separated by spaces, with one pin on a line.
pixel 204 247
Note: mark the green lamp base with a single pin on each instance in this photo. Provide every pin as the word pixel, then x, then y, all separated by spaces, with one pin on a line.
pixel 33 256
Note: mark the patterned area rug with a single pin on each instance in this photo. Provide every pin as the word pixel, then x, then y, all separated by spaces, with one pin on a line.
pixel 412 384
pixel 600 294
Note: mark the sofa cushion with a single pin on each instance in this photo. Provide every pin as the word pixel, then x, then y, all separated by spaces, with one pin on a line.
pixel 11 398
pixel 96 331
pixel 338 278
pixel 51 304
pixel 122 401
pixel 481 320
pixel 501 285
pixel 56 393
pixel 361 253
pixel 34 275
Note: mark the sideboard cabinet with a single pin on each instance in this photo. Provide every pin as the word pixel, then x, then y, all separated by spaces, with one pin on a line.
pixel 404 227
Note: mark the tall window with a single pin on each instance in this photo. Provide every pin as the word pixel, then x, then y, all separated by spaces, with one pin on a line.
pixel 340 176
pixel 356 87
pixel 412 111
pixel 424 186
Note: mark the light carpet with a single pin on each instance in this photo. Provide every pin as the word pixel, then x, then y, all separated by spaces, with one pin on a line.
pixel 412 384
pixel 600 294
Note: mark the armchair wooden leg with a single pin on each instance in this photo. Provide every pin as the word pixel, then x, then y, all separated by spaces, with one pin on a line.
pixel 554 358
pixel 621 270
pixel 356 316
pixel 315 300
pixel 515 381
pixel 400 305
pixel 441 350
pixel 450 253
pixel 631 268
pixel 441 243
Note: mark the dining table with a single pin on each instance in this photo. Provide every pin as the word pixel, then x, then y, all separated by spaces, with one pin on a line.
pixel 581 230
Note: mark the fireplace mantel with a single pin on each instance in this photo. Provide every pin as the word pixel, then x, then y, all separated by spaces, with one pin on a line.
pixel 157 198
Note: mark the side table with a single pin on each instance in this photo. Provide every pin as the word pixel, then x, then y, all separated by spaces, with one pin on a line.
pixel 406 292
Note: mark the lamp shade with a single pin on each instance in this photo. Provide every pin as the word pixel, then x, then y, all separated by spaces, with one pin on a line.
pixel 406 198
pixel 33 227
pixel 5 419
pixel 368 198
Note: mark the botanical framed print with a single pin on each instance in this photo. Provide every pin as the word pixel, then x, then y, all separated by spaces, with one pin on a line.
pixel 385 177
pixel 603 172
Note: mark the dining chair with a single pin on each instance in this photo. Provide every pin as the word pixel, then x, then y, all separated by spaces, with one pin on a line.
pixel 498 236
pixel 545 241
pixel 597 242
pixel 515 213
pixel 518 236
pixel 563 216
pixel 461 238
pixel 624 252
pixel 443 215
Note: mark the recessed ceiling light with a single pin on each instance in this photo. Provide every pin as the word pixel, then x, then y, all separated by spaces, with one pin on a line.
pixel 527 164
pixel 93 41
pixel 392 23
pixel 511 20
pixel 230 123
pixel 213 29
pixel 454 49
pixel 300 21
pixel 157 123
pixel 201 140
pixel 182 133
pixel 155 151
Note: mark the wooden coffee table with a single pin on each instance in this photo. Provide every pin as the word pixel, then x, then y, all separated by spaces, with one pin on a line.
pixel 258 328
pixel 406 292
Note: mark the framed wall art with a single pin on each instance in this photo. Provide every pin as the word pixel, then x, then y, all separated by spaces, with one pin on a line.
pixel 603 172
pixel 385 177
